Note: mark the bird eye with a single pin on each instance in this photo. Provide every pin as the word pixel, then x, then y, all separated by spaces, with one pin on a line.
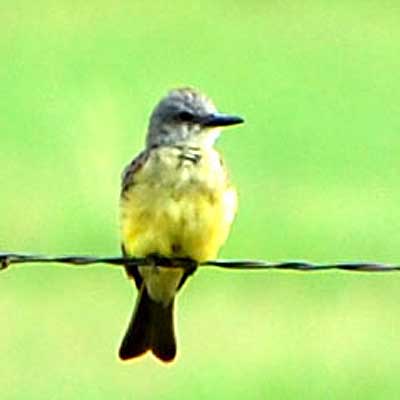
pixel 186 116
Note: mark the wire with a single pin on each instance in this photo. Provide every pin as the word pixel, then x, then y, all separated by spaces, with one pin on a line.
pixel 7 259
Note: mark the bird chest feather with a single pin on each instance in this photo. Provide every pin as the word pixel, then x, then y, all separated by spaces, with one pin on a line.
pixel 180 204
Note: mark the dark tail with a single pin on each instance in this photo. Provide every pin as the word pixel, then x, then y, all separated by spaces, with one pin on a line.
pixel 151 328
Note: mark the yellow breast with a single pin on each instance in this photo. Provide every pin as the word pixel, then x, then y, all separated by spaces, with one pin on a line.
pixel 178 207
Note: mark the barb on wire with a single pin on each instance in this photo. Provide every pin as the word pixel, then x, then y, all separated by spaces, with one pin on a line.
pixel 6 259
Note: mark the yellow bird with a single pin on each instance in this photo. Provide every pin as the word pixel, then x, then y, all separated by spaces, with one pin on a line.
pixel 176 201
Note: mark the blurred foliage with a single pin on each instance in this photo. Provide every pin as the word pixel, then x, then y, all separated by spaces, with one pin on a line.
pixel 317 168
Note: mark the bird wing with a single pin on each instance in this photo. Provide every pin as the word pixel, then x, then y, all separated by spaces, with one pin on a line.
pixel 128 174
pixel 128 179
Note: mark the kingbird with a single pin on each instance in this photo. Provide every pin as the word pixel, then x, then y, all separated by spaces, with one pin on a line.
pixel 176 202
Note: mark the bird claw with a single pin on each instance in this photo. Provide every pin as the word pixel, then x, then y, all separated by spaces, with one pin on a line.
pixel 189 264
pixel 156 260
pixel 4 263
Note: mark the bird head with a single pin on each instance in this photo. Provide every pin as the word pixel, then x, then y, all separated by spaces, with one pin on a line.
pixel 186 116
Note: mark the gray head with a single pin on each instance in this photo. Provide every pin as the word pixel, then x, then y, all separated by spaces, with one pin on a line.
pixel 185 116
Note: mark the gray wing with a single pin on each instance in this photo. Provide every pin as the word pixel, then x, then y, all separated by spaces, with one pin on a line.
pixel 128 179
pixel 128 174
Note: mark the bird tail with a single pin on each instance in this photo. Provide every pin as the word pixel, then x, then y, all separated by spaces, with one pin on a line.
pixel 151 328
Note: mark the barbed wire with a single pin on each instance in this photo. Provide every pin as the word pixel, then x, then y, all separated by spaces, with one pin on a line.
pixel 7 259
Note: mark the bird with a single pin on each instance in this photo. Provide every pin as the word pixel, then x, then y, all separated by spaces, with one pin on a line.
pixel 176 202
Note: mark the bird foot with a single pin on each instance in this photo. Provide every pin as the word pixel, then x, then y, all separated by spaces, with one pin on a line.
pixel 156 260
pixel 4 262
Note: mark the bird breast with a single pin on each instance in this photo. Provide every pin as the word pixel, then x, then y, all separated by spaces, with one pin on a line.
pixel 181 205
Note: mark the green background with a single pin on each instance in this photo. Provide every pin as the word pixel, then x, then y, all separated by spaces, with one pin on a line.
pixel 317 167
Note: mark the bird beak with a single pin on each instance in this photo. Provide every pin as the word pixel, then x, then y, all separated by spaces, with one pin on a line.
pixel 217 119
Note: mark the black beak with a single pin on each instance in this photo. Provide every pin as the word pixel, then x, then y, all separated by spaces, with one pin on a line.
pixel 221 120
